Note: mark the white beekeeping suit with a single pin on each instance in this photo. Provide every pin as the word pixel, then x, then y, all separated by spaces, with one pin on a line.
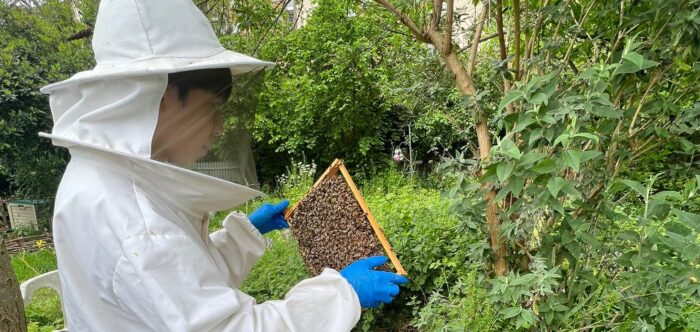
pixel 130 234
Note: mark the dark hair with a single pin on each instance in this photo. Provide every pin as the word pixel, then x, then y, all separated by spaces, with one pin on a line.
pixel 216 81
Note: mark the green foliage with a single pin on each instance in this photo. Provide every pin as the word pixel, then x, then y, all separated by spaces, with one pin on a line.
pixel 323 100
pixel 426 236
pixel 44 313
pixel 340 88
pixel 462 307
pixel 277 271
pixel 586 248
pixel 33 52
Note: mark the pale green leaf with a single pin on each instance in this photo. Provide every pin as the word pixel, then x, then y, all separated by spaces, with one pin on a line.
pixel 509 149
pixel 531 157
pixel 504 169
pixel 510 312
pixel 545 166
pixel 555 184
pixel 589 154
pixel 572 158
pixel 563 139
pixel 588 135
pixel 635 58
pixel 537 134
pixel 691 220
pixel 515 184
pixel 512 96
pixel 649 63
pixel 638 187
pixel 539 98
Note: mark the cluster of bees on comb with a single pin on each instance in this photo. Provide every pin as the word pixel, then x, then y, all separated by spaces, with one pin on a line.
pixel 332 229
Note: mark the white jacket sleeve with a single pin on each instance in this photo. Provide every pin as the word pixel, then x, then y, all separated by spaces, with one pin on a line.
pixel 240 244
pixel 171 284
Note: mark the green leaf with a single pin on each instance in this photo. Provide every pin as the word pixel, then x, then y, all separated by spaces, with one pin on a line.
pixel 509 149
pixel 588 155
pixel 556 206
pixel 635 58
pixel 691 220
pixel 560 308
pixel 587 135
pixel 501 194
pixel 555 184
pixel 511 312
pixel 539 98
pixel 627 67
pixel 531 157
pixel 697 177
pixel 675 241
pixel 572 158
pixel 515 184
pixel 636 261
pixel 659 208
pixel 571 191
pixel 629 235
pixel 588 238
pixel 638 187
pixel 523 124
pixel 504 169
pixel 537 134
pixel 545 166
pixel 563 138
pixel 527 317
pixel 512 96
pixel 649 63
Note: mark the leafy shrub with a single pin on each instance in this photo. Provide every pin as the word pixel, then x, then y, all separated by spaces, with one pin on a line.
pixel 34 52
pixel 463 306
pixel 277 271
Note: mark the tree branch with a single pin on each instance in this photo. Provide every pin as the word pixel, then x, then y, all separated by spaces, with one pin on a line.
pixel 435 16
pixel 420 36
pixel 533 38
pixel 499 27
pixel 516 39
pixel 503 50
pixel 476 40
pixel 448 27
pixel 655 78
pixel 483 39
pixel 579 24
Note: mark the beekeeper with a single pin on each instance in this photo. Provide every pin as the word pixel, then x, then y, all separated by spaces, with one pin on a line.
pixel 130 225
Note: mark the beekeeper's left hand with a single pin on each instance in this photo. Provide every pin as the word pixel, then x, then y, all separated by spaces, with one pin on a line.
pixel 270 217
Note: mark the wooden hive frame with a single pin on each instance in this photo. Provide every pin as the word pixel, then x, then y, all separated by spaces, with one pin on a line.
pixel 332 170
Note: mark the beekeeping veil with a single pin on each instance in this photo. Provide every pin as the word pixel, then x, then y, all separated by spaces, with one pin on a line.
pixel 113 109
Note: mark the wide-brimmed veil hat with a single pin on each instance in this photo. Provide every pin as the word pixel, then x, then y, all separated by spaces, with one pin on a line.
pixel 155 36
pixel 111 112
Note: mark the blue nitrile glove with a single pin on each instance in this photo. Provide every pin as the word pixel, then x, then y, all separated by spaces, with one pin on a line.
pixel 372 287
pixel 270 217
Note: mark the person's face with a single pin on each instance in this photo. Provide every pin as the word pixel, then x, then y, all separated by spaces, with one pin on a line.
pixel 186 128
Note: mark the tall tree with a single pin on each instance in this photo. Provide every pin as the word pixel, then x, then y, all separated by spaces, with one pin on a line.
pixel 441 40
pixel 11 306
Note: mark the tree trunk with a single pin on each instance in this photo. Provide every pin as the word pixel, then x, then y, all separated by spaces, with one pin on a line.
pixel 11 306
pixel 466 86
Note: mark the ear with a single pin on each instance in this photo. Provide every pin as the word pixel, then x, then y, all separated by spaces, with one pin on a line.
pixel 170 97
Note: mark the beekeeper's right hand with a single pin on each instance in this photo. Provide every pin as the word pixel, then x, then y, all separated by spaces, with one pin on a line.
pixel 372 287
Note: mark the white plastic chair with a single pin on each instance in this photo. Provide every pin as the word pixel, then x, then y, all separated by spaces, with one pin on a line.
pixel 46 280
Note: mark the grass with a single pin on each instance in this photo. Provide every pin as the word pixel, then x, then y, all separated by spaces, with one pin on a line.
pixel 44 313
